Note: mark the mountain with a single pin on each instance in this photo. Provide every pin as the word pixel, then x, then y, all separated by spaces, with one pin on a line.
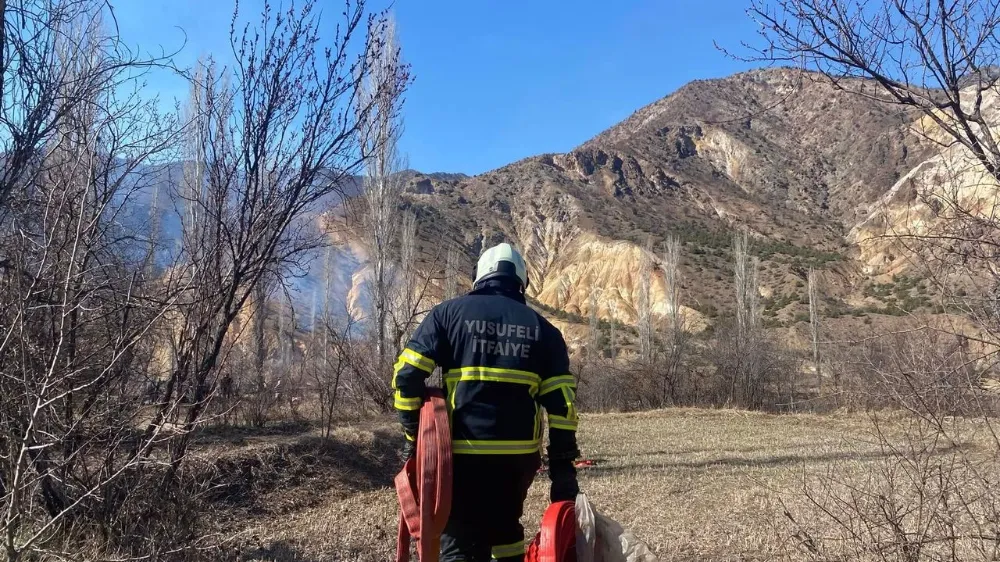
pixel 814 172
pixel 780 152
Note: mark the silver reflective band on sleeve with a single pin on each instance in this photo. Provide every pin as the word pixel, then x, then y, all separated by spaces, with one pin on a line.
pixel 402 403
pixel 555 383
pixel 415 359
pixel 563 422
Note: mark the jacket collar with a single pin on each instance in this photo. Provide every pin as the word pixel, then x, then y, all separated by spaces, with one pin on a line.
pixel 501 287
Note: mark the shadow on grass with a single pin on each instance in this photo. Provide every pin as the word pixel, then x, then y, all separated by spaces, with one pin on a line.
pixel 704 450
pixel 278 551
pixel 661 453
pixel 237 435
pixel 759 462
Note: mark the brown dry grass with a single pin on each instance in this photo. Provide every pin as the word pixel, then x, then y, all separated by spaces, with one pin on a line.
pixel 694 484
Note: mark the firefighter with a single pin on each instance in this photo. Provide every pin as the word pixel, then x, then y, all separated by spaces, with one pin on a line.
pixel 502 363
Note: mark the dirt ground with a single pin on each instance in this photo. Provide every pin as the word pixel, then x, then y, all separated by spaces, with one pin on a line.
pixel 693 484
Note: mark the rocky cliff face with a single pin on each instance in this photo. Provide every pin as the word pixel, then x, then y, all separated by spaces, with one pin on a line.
pixel 940 197
pixel 814 174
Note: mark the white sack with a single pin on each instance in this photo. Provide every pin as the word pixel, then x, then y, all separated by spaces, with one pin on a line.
pixel 601 539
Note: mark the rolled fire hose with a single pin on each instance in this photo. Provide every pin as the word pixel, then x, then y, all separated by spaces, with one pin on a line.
pixel 556 539
pixel 424 484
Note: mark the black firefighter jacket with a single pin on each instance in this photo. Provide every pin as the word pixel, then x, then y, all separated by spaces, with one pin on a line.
pixel 502 364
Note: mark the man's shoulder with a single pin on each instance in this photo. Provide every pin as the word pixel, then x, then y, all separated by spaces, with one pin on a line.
pixel 454 302
pixel 456 307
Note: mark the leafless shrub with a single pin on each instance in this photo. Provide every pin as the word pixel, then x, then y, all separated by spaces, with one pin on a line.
pixel 923 370
pixel 928 495
pixel 616 386
pixel 78 306
pixel 932 493
pixel 327 373
pixel 752 373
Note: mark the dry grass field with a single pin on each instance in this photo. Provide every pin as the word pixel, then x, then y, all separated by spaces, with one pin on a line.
pixel 693 484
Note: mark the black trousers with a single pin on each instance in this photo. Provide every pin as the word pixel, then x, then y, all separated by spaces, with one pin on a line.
pixel 487 504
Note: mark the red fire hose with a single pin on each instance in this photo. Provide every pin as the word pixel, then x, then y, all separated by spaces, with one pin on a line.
pixel 424 491
pixel 424 484
pixel 556 541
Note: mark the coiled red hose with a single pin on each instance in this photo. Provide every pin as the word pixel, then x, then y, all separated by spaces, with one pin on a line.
pixel 424 485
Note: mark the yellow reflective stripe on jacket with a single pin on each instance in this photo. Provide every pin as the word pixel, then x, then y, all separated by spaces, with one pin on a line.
pixel 555 383
pixel 570 421
pixel 570 396
pixel 395 373
pixel 469 447
pixel 403 403
pixel 537 431
pixel 494 374
pixel 508 550
pixel 450 388
pixel 411 357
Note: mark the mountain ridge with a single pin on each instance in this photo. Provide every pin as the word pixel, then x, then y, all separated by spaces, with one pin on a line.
pixel 779 152
pixel 805 167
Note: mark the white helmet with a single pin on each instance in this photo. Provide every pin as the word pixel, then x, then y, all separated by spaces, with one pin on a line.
pixel 501 260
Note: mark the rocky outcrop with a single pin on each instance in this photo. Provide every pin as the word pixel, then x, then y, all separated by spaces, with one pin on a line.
pixel 610 270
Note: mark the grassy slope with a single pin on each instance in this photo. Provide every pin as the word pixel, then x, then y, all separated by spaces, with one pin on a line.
pixel 693 484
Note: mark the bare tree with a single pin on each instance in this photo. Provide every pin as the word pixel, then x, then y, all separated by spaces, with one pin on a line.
pixel 451 274
pixel 155 242
pixel 814 326
pixel 938 63
pixel 257 387
pixel 613 331
pixel 747 288
pixel 677 331
pixel 328 374
pixel 644 303
pixel 745 359
pixel 381 128
pixel 594 339
pixel 47 70
pixel 404 283
pixel 107 361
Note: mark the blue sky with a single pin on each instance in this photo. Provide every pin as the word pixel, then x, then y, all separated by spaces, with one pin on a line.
pixel 497 81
